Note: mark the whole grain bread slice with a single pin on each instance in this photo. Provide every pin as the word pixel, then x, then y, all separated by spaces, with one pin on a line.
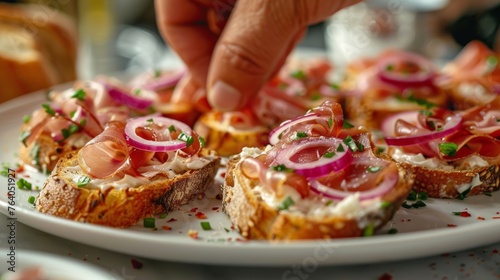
pixel 118 207
pixel 255 219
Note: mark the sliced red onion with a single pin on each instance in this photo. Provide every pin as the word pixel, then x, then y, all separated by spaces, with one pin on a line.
pixel 452 124
pixel 323 165
pixel 496 88
pixel 274 135
pixel 406 80
pixel 164 81
pixel 140 143
pixel 123 96
pixel 389 182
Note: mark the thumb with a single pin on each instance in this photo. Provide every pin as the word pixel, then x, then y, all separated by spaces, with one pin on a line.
pixel 257 36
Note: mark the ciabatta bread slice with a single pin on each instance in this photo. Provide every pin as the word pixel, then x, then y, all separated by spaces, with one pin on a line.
pixel 121 203
pixel 254 218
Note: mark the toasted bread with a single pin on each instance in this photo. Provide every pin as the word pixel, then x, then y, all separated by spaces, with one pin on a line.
pixel 256 219
pixel 118 207
pixel 454 183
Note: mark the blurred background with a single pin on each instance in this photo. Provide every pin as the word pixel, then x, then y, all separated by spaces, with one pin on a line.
pixel 121 35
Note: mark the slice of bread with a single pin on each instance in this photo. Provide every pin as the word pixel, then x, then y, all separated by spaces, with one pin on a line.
pixel 114 206
pixel 38 49
pixel 454 183
pixel 256 219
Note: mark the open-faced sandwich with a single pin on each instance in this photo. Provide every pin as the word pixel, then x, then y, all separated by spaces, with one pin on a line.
pixel 474 76
pixel 394 82
pixel 73 116
pixel 314 181
pixel 131 170
pixel 298 87
pixel 69 119
pixel 453 154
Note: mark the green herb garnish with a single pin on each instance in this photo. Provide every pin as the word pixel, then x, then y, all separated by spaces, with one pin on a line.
pixel 329 154
pixel 31 199
pixel 315 96
pixel 24 136
pixel 393 231
pixel 186 138
pixel 205 226
pixel 5 169
pixel 23 184
pixel 163 215
pixel 373 169
pixel 464 194
pixel 340 148
pixel 412 195
pixel 202 141
pixel 335 86
pixel 137 91
pixel 171 128
pixel 150 120
pixel 448 148
pixel 149 223
pixel 349 141
pixel 299 74
pixel 300 134
pixel 329 122
pixel 369 230
pixel 286 203
pixel 328 203
pixel 83 181
pixel 427 113
pixel 157 73
pixel 281 168
pixel 79 94
pixel 26 118
pixel 72 129
pixel 419 101
pixel 385 204
pixel 389 67
pixel 419 204
pixel 347 124
pixel 49 110
pixel 422 195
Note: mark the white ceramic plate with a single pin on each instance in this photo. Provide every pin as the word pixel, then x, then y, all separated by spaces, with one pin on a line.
pixel 421 232
pixel 55 267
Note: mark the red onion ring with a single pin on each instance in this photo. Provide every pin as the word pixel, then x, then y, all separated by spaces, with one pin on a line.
pixel 140 143
pixel 164 81
pixel 274 135
pixel 453 123
pixel 406 80
pixel 320 167
pixel 125 97
pixel 390 180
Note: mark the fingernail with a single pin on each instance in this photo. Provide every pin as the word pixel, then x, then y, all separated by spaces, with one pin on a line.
pixel 224 97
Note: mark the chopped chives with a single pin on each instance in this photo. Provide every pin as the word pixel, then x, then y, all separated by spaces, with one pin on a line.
pixel 149 222
pixel 205 225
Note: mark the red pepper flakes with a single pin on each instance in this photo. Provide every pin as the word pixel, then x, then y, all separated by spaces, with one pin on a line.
pixel 223 174
pixel 498 213
pixel 136 264
pixel 193 210
pixel 462 214
pixel 166 228
pixel 200 215
pixel 241 239
pixel 451 225
pixel 172 220
pixel 20 169
pixel 495 251
pixel 385 276
pixel 495 217
pixel 215 208
pixel 481 218
pixel 193 233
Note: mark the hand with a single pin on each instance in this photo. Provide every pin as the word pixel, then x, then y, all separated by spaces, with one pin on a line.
pixel 233 47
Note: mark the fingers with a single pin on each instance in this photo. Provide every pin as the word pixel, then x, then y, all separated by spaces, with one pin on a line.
pixel 179 23
pixel 255 42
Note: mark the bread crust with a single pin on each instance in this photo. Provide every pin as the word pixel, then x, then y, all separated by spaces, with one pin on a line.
pixel 441 183
pixel 118 207
pixel 255 219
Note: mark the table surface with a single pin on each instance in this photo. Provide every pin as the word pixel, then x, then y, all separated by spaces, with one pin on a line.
pixel 477 263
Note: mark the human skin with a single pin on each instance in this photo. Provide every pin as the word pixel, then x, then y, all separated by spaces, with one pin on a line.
pixel 232 47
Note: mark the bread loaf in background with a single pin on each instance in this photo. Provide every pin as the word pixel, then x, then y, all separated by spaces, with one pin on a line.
pixel 38 49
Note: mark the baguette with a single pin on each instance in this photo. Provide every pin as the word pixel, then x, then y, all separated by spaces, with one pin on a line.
pixel 115 206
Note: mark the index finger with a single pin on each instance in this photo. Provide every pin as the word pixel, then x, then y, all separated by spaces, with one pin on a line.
pixel 184 26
